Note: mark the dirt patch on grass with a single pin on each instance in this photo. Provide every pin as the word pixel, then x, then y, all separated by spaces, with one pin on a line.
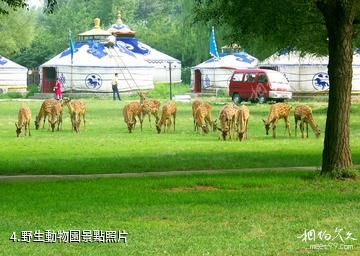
pixel 192 188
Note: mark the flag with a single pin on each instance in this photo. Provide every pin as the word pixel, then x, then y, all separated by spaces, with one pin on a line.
pixel 71 46
pixel 213 48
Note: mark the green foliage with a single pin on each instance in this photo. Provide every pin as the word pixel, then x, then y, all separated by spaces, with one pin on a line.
pixel 12 95
pixel 16 31
pixel 32 89
pixel 252 25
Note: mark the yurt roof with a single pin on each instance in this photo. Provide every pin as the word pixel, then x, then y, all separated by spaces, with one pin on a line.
pixel 288 58
pixel 149 54
pixel 295 58
pixel 95 54
pixel 8 64
pixel 96 31
pixel 230 60
pixel 120 28
pixel 126 38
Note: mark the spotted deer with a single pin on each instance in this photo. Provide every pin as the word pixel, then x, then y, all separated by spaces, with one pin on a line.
pixel 168 110
pixel 24 117
pixel 278 111
pixel 44 111
pixel 149 107
pixel 303 113
pixel 200 118
pixel 55 116
pixel 77 110
pixel 130 111
pixel 227 119
pixel 208 118
pixel 242 121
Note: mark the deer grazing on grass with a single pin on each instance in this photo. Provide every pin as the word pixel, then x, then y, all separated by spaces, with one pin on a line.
pixel 208 119
pixel 227 120
pixel 242 122
pixel 130 111
pixel 278 111
pixel 24 117
pixel 149 107
pixel 168 110
pixel 56 115
pixel 303 113
pixel 77 110
pixel 44 111
pixel 200 118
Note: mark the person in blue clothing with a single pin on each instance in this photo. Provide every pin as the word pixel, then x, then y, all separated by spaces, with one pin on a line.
pixel 114 85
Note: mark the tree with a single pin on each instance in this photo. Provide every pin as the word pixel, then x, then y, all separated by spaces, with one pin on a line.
pixel 7 5
pixel 16 31
pixel 315 26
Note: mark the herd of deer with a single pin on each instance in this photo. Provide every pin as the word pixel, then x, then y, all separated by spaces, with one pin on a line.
pixel 233 119
pixel 53 110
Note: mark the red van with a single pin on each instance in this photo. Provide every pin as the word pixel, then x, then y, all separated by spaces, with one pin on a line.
pixel 258 85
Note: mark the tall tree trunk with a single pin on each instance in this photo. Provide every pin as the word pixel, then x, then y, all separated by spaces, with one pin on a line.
pixel 339 16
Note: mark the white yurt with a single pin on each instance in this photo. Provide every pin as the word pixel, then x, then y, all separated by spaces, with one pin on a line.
pixel 307 73
pixel 164 65
pixel 13 77
pixel 215 73
pixel 93 65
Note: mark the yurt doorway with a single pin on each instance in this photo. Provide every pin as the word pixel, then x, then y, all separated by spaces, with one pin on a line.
pixel 48 79
pixel 197 81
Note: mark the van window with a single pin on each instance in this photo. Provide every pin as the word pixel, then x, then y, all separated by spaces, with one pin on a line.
pixel 238 77
pixel 262 78
pixel 250 77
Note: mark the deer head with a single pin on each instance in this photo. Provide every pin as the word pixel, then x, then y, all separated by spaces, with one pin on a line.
pixel 18 129
pixel 267 126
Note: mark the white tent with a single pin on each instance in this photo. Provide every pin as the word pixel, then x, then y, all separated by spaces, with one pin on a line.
pixel 163 63
pixel 307 73
pixel 216 73
pixel 94 66
pixel 13 77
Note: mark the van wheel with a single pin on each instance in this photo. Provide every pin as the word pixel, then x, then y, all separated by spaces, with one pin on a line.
pixel 236 98
pixel 261 98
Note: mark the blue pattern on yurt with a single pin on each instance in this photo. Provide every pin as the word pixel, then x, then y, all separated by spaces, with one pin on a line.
pixel 134 45
pixel 244 57
pixel 120 26
pixel 77 45
pixel 320 81
pixel 97 49
pixel 241 56
pixel 93 81
pixel 2 61
pixel 123 49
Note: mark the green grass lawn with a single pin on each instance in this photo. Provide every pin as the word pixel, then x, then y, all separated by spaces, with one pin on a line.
pixel 105 146
pixel 220 214
pixel 242 213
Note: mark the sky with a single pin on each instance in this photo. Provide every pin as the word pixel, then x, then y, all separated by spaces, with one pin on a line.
pixel 35 3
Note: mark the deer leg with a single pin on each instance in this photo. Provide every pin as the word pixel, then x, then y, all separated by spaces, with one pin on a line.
pixel 150 119
pixel 296 121
pixel 287 126
pixel 174 116
pixel 302 128
pixel 307 130
pixel 29 128
pixel 274 129
pixel 141 122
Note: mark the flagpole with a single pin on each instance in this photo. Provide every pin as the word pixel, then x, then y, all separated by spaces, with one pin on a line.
pixel 213 52
pixel 71 46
